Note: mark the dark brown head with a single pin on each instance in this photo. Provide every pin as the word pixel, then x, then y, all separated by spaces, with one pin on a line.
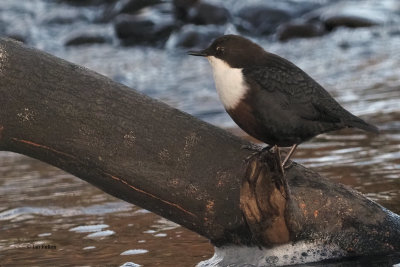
pixel 235 50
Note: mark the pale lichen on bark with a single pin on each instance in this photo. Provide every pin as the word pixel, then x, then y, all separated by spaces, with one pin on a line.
pixel 3 58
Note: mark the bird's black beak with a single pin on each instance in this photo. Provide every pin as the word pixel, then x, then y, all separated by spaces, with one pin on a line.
pixel 202 53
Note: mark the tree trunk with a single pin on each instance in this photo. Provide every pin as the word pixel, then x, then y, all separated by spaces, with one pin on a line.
pixel 190 172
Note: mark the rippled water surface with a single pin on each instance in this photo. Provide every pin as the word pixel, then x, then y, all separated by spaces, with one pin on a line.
pixel 42 205
pixel 77 223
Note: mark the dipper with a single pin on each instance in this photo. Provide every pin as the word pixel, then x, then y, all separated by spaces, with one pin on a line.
pixel 272 99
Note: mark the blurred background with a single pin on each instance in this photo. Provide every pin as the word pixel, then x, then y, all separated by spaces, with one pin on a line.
pixel 352 48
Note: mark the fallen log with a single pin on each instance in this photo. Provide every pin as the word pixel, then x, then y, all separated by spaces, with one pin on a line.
pixel 190 172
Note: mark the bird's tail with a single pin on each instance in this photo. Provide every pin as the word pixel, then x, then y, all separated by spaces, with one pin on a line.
pixel 360 124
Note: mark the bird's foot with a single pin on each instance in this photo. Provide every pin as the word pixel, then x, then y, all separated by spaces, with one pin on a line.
pixel 257 150
pixel 287 165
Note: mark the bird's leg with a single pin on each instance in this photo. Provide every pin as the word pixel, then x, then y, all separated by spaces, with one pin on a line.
pixel 291 151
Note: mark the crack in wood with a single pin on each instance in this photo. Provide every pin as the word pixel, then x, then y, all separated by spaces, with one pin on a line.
pixel 150 195
pixel 42 146
pixel 110 175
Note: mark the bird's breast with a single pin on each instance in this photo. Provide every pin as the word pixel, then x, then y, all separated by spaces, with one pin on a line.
pixel 229 82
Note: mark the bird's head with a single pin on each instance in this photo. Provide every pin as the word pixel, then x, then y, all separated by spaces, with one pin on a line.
pixel 234 50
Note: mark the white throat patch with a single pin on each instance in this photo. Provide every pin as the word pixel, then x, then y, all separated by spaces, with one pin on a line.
pixel 229 82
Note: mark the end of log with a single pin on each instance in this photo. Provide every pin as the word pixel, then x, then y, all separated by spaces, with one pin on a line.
pixel 263 200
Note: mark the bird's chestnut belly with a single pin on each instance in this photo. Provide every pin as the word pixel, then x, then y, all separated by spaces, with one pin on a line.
pixel 273 129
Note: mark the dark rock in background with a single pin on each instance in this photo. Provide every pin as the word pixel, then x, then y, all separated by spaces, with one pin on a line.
pixel 261 20
pixel 347 14
pixel 194 36
pixel 299 30
pixel 132 6
pixel 181 8
pixel 344 45
pixel 126 7
pixel 87 2
pixel 151 22
pixel 202 13
pixel 349 21
pixel 395 32
pixel 86 39
pixel 144 29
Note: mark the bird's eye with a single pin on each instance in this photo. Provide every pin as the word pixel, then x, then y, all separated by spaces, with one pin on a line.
pixel 220 50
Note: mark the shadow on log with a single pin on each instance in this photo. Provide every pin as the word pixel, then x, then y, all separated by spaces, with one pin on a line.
pixel 147 153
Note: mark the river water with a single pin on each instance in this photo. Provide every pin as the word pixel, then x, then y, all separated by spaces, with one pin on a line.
pixel 49 217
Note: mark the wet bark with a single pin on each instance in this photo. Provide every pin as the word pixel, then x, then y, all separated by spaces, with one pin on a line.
pixel 147 153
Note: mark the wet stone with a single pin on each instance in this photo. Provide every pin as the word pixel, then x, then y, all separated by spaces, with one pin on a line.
pixel 134 30
pixel 87 2
pixel 191 36
pixel 349 14
pixel 293 30
pixel 344 45
pixel 86 39
pixel 132 6
pixel 182 7
pixel 261 20
pixel 349 21
pixel 395 32
pixel 127 7
pixel 206 13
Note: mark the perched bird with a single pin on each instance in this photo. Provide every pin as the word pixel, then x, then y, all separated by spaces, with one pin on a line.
pixel 270 98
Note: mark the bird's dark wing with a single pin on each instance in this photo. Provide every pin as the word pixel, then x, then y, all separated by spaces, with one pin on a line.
pixel 295 90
